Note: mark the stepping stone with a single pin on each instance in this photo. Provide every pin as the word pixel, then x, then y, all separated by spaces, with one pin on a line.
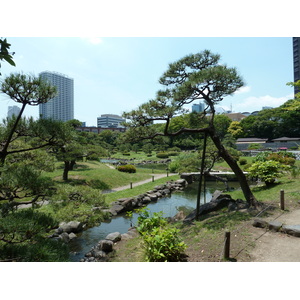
pixel 293 230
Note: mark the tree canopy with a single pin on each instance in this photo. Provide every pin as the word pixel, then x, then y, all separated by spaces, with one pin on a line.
pixel 195 77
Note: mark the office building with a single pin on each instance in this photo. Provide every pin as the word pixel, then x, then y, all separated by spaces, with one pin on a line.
pixel 13 111
pixel 198 107
pixel 296 55
pixel 109 120
pixel 62 106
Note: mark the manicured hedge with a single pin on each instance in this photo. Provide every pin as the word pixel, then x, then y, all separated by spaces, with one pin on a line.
pixel 127 169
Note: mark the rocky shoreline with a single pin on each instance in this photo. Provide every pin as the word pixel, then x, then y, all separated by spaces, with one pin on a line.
pixel 68 231
pixel 100 252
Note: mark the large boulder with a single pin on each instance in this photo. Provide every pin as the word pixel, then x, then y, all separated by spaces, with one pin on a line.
pixel 217 202
pixel 73 226
pixel 115 237
pixel 105 245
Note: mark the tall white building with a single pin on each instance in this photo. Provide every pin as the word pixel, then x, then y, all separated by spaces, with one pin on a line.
pixel 13 110
pixel 62 106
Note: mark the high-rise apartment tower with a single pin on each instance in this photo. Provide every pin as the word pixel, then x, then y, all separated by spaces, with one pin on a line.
pixel 296 55
pixel 62 106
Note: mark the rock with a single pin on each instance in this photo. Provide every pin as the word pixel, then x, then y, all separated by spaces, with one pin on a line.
pixel 98 253
pixel 126 236
pixel 188 177
pixel 73 226
pixel 146 200
pixel 72 236
pixel 260 223
pixel 181 182
pixel 153 197
pixel 275 225
pixel 116 209
pixel 115 237
pixel 65 237
pixel 218 201
pixel 105 245
pixel 166 192
pixel 59 230
pixel 179 216
pixel 293 230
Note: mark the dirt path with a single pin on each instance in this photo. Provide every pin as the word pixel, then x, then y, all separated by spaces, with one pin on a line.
pixel 275 246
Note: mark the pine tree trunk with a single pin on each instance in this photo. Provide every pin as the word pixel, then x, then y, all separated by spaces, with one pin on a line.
pixel 250 198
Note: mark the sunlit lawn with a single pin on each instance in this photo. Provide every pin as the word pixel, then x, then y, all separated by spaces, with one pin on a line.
pixel 95 171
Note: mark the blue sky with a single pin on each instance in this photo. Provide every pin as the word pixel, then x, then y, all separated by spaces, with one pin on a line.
pixel 116 74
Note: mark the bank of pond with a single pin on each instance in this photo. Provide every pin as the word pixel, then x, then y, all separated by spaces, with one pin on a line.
pixel 170 205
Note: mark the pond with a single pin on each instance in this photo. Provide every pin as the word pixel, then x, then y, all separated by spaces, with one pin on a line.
pixel 185 200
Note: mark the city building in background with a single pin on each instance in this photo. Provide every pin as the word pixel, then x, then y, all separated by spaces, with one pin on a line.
pixel 296 54
pixel 13 110
pixel 110 121
pixel 62 106
pixel 198 107
pixel 100 129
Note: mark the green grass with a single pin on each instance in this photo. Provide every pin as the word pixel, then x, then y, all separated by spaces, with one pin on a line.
pixel 135 191
pixel 266 194
pixel 86 172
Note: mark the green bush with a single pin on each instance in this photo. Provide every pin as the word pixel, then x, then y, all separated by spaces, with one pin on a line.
pixel 162 155
pixel 243 161
pixel 75 203
pixel 185 162
pixel 126 154
pixel 127 169
pixel 23 237
pixel 161 241
pixel 267 171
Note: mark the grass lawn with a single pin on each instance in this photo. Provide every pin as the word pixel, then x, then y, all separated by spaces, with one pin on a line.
pixel 137 190
pixel 100 175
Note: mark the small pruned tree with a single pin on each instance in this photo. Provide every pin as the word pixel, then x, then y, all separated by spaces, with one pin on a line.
pixel 195 77
pixel 26 90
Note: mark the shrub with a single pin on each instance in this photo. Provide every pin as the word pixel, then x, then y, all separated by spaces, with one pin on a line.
pixel 127 169
pixel 267 171
pixel 161 241
pixel 185 162
pixel 243 161
pixel 162 155
pixel 126 154
pixel 23 237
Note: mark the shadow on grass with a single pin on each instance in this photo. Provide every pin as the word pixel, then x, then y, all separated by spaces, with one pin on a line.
pixel 94 183
pixel 225 220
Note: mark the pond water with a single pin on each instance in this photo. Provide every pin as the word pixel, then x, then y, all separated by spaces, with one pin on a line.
pixel 185 200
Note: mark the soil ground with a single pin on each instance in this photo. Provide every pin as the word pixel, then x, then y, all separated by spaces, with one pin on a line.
pixel 247 243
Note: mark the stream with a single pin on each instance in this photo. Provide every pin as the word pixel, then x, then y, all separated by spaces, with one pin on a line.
pixel 184 200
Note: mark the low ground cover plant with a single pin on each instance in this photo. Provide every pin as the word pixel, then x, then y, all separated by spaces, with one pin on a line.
pixel 161 240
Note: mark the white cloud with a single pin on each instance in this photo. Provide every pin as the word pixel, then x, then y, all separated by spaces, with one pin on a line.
pixel 243 89
pixel 251 104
